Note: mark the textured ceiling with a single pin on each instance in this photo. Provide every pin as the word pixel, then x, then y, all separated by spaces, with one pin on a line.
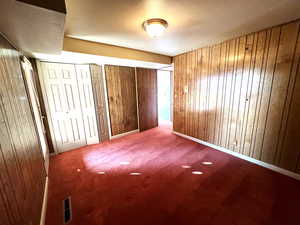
pixel 31 28
pixel 192 23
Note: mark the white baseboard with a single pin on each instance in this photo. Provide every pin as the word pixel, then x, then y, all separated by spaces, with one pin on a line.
pixel 45 200
pixel 124 134
pixel 247 158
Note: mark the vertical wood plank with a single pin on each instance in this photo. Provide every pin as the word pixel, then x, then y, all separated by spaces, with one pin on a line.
pixel 264 102
pixel 237 109
pixel 147 98
pixel 243 95
pixel 121 92
pixel 283 65
pixel 22 175
pixel 287 154
pixel 222 91
pixel 244 99
pixel 214 87
pixel 99 96
pixel 254 92
pixel 199 130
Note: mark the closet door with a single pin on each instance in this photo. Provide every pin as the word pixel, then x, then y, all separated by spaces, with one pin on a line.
pixel 121 92
pixel 147 98
pixel 99 90
pixel 87 103
pixel 64 109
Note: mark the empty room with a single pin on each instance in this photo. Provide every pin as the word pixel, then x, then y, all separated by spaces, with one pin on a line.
pixel 149 112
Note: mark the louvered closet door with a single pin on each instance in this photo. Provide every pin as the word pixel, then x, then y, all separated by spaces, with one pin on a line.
pixel 87 103
pixel 64 106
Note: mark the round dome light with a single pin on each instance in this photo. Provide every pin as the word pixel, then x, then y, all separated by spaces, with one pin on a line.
pixel 155 27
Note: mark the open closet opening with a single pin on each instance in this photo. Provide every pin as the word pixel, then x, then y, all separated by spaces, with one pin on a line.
pixel 164 84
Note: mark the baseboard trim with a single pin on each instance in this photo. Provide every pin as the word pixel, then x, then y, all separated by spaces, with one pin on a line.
pixel 45 200
pixel 247 158
pixel 124 134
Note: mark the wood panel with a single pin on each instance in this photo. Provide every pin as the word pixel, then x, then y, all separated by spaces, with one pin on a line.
pixel 243 95
pixel 147 98
pixel 121 90
pixel 22 176
pixel 99 96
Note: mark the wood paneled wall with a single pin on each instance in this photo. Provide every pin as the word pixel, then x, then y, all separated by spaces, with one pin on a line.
pixel 99 97
pixel 147 98
pixel 22 172
pixel 121 90
pixel 244 95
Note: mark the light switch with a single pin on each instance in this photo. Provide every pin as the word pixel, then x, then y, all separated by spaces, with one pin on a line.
pixel 186 89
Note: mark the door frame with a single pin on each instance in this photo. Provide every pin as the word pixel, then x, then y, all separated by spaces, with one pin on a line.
pixel 171 93
pixel 24 62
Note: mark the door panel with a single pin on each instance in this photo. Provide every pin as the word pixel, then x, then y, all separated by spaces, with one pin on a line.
pixel 121 92
pixel 87 103
pixel 147 97
pixel 98 84
pixel 61 90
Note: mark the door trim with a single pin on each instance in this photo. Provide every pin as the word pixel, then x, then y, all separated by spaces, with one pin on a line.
pixel 137 98
pixel 125 134
pixel 106 101
pixel 25 62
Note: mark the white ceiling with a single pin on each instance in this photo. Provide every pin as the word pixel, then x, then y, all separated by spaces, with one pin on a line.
pixel 31 28
pixel 192 23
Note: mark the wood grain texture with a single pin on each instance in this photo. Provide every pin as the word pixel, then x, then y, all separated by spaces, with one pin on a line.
pixel 147 98
pixel 22 176
pixel 99 97
pixel 243 94
pixel 121 90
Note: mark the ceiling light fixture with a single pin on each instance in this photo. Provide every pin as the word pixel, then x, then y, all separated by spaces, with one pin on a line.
pixel 155 27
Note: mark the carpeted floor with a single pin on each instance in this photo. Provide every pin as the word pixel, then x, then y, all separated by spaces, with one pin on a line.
pixel 157 178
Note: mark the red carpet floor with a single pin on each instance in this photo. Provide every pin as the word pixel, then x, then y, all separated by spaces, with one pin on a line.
pixel 147 179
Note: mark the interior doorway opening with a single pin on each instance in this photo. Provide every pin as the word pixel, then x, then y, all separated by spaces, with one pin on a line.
pixel 164 87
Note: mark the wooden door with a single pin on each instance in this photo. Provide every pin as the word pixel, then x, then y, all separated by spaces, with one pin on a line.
pixel 87 103
pixel 99 90
pixel 121 91
pixel 147 98
pixel 61 94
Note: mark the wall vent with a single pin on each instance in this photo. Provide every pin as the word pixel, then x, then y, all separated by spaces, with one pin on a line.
pixel 67 210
